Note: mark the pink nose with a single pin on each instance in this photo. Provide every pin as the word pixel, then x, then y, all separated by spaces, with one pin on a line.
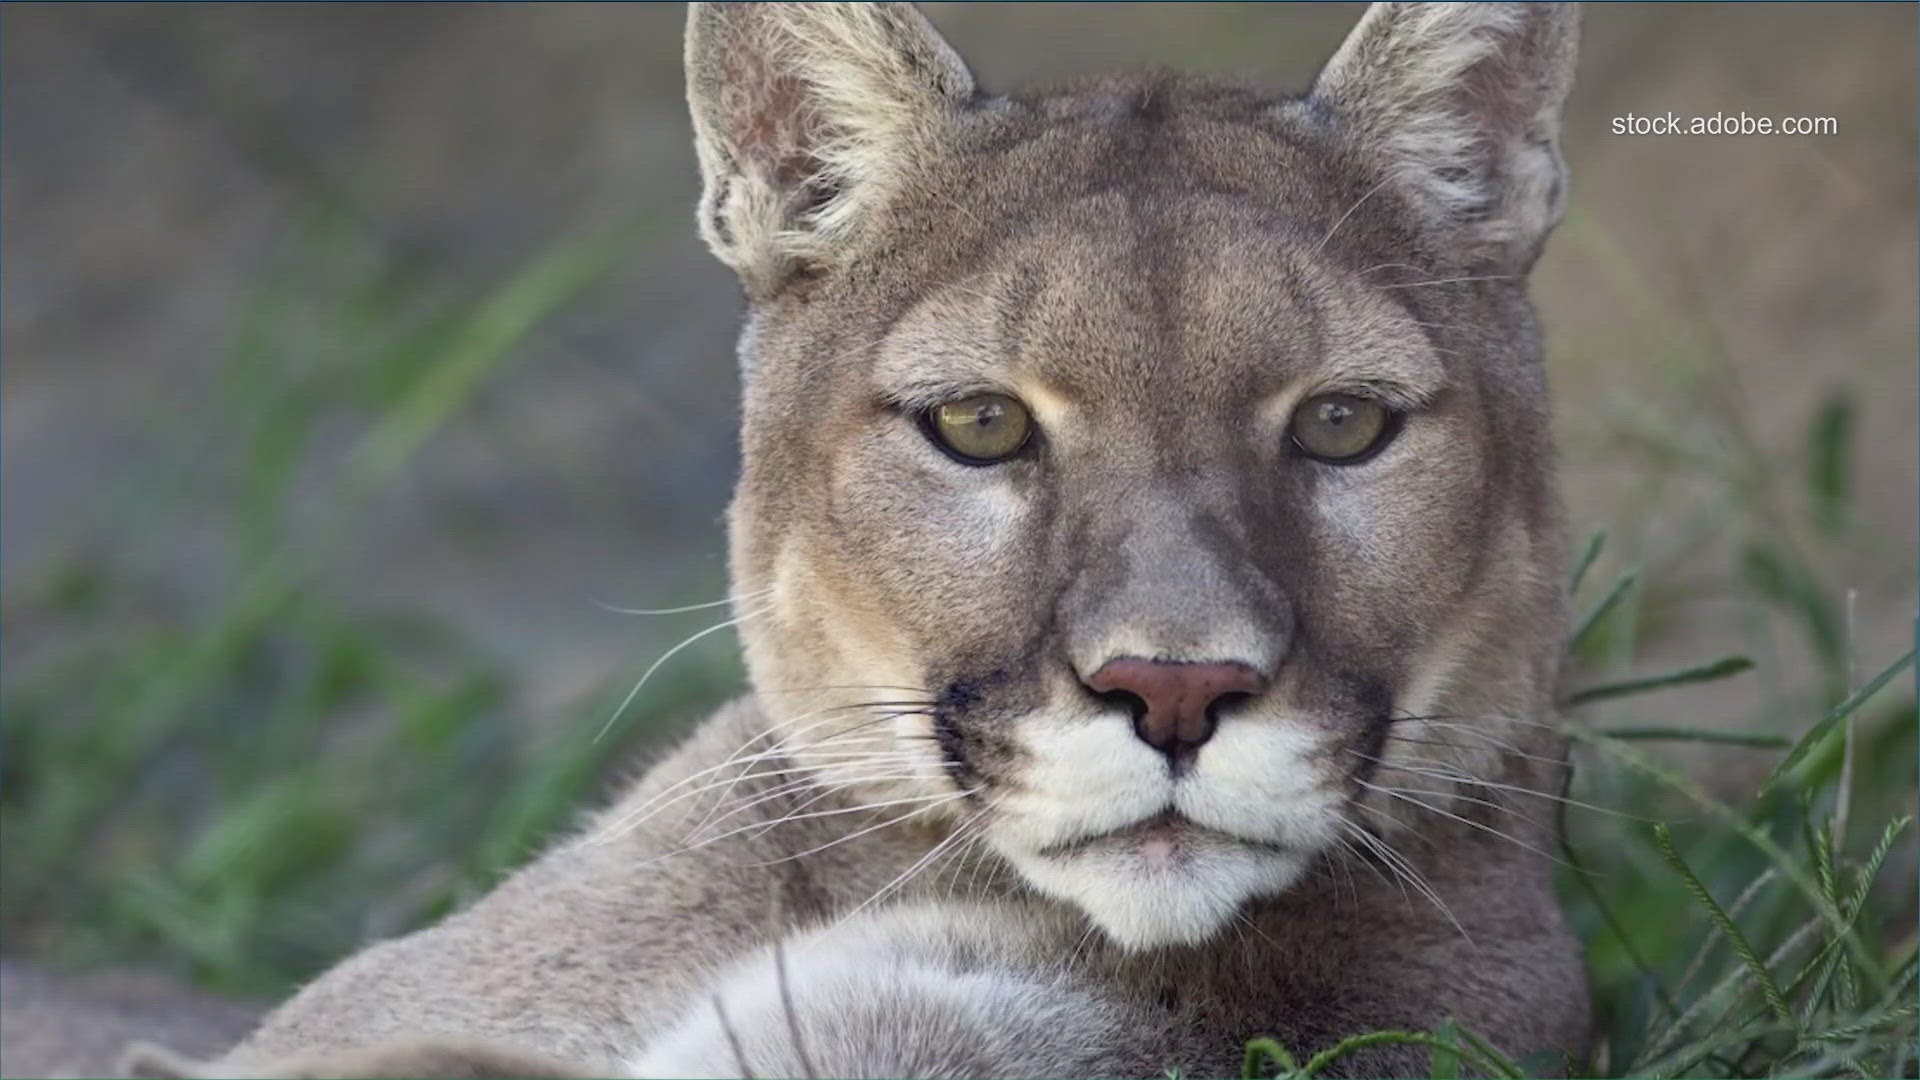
pixel 1176 700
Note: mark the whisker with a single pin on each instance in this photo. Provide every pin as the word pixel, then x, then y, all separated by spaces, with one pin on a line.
pixel 1392 822
pixel 1451 281
pixel 804 781
pixel 1494 805
pixel 806 777
pixel 1255 927
pixel 987 857
pixel 956 860
pixel 1463 778
pixel 779 748
pixel 666 656
pixel 971 855
pixel 910 800
pixel 652 802
pixel 838 840
pixel 1457 746
pixel 1377 861
pixel 1401 866
pixel 1396 793
pixel 907 874
pixel 1361 857
pixel 812 757
pixel 1393 266
pixel 1481 734
pixel 1371 192
pixel 755 595
pixel 841 686
pixel 1080 949
pixel 826 791
pixel 1346 868
pixel 1526 720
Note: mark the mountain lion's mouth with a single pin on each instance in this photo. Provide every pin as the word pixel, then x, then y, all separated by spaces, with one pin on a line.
pixel 1163 879
pixel 1166 840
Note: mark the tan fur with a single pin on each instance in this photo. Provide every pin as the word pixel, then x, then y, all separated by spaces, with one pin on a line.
pixel 913 850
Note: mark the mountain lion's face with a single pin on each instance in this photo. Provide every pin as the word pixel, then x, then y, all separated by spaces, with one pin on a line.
pixel 1133 474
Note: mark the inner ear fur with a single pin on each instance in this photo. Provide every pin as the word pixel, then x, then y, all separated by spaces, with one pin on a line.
pixel 806 116
pixel 1459 104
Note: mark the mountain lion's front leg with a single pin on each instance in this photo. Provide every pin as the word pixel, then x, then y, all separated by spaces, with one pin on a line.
pixel 948 989
pixel 586 953
pixel 421 1059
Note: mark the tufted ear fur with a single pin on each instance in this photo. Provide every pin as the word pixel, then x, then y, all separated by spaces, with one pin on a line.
pixel 805 117
pixel 1461 104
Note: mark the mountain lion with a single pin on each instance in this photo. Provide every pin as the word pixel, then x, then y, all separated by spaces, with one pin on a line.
pixel 1151 576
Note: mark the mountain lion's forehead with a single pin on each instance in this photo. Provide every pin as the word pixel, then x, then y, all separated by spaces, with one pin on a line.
pixel 1010 165
pixel 1085 308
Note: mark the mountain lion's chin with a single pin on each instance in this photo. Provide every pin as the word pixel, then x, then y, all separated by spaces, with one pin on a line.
pixel 1150 888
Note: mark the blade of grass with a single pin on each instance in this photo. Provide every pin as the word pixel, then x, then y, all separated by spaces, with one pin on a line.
pixel 1730 981
pixel 1607 603
pixel 1831 957
pixel 1486 1048
pixel 1585 562
pixel 1269 1050
pixel 1668 734
pixel 1776 1003
pixel 1356 1043
pixel 1733 912
pixel 1681 1061
pixel 1834 716
pixel 1443 1061
pixel 488 337
pixel 1723 668
pixel 1829 462
pixel 1737 823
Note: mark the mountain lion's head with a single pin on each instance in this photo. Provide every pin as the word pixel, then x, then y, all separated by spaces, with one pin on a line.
pixel 1149 476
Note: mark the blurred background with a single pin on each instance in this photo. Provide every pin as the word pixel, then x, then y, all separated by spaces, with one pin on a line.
pixel 359 358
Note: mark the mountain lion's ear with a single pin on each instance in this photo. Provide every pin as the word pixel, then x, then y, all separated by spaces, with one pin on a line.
pixel 805 117
pixel 1461 103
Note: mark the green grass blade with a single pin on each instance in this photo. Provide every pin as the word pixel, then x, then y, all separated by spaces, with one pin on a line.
pixel 1753 889
pixel 1356 1043
pixel 1834 716
pixel 1668 734
pixel 1736 822
pixel 1776 1003
pixel 1723 668
pixel 1784 578
pixel 483 341
pixel 1263 1050
pixel 1489 1051
pixel 1734 981
pixel 1819 849
pixel 1683 1061
pixel 1827 871
pixel 1585 562
pixel 1443 1061
pixel 1830 960
pixel 1607 603
pixel 1863 878
pixel 1866 1024
pixel 1830 463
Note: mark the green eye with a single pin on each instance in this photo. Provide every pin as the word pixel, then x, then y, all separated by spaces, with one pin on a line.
pixel 1341 429
pixel 980 429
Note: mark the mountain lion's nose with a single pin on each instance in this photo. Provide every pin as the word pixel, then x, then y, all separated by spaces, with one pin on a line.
pixel 1173 702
